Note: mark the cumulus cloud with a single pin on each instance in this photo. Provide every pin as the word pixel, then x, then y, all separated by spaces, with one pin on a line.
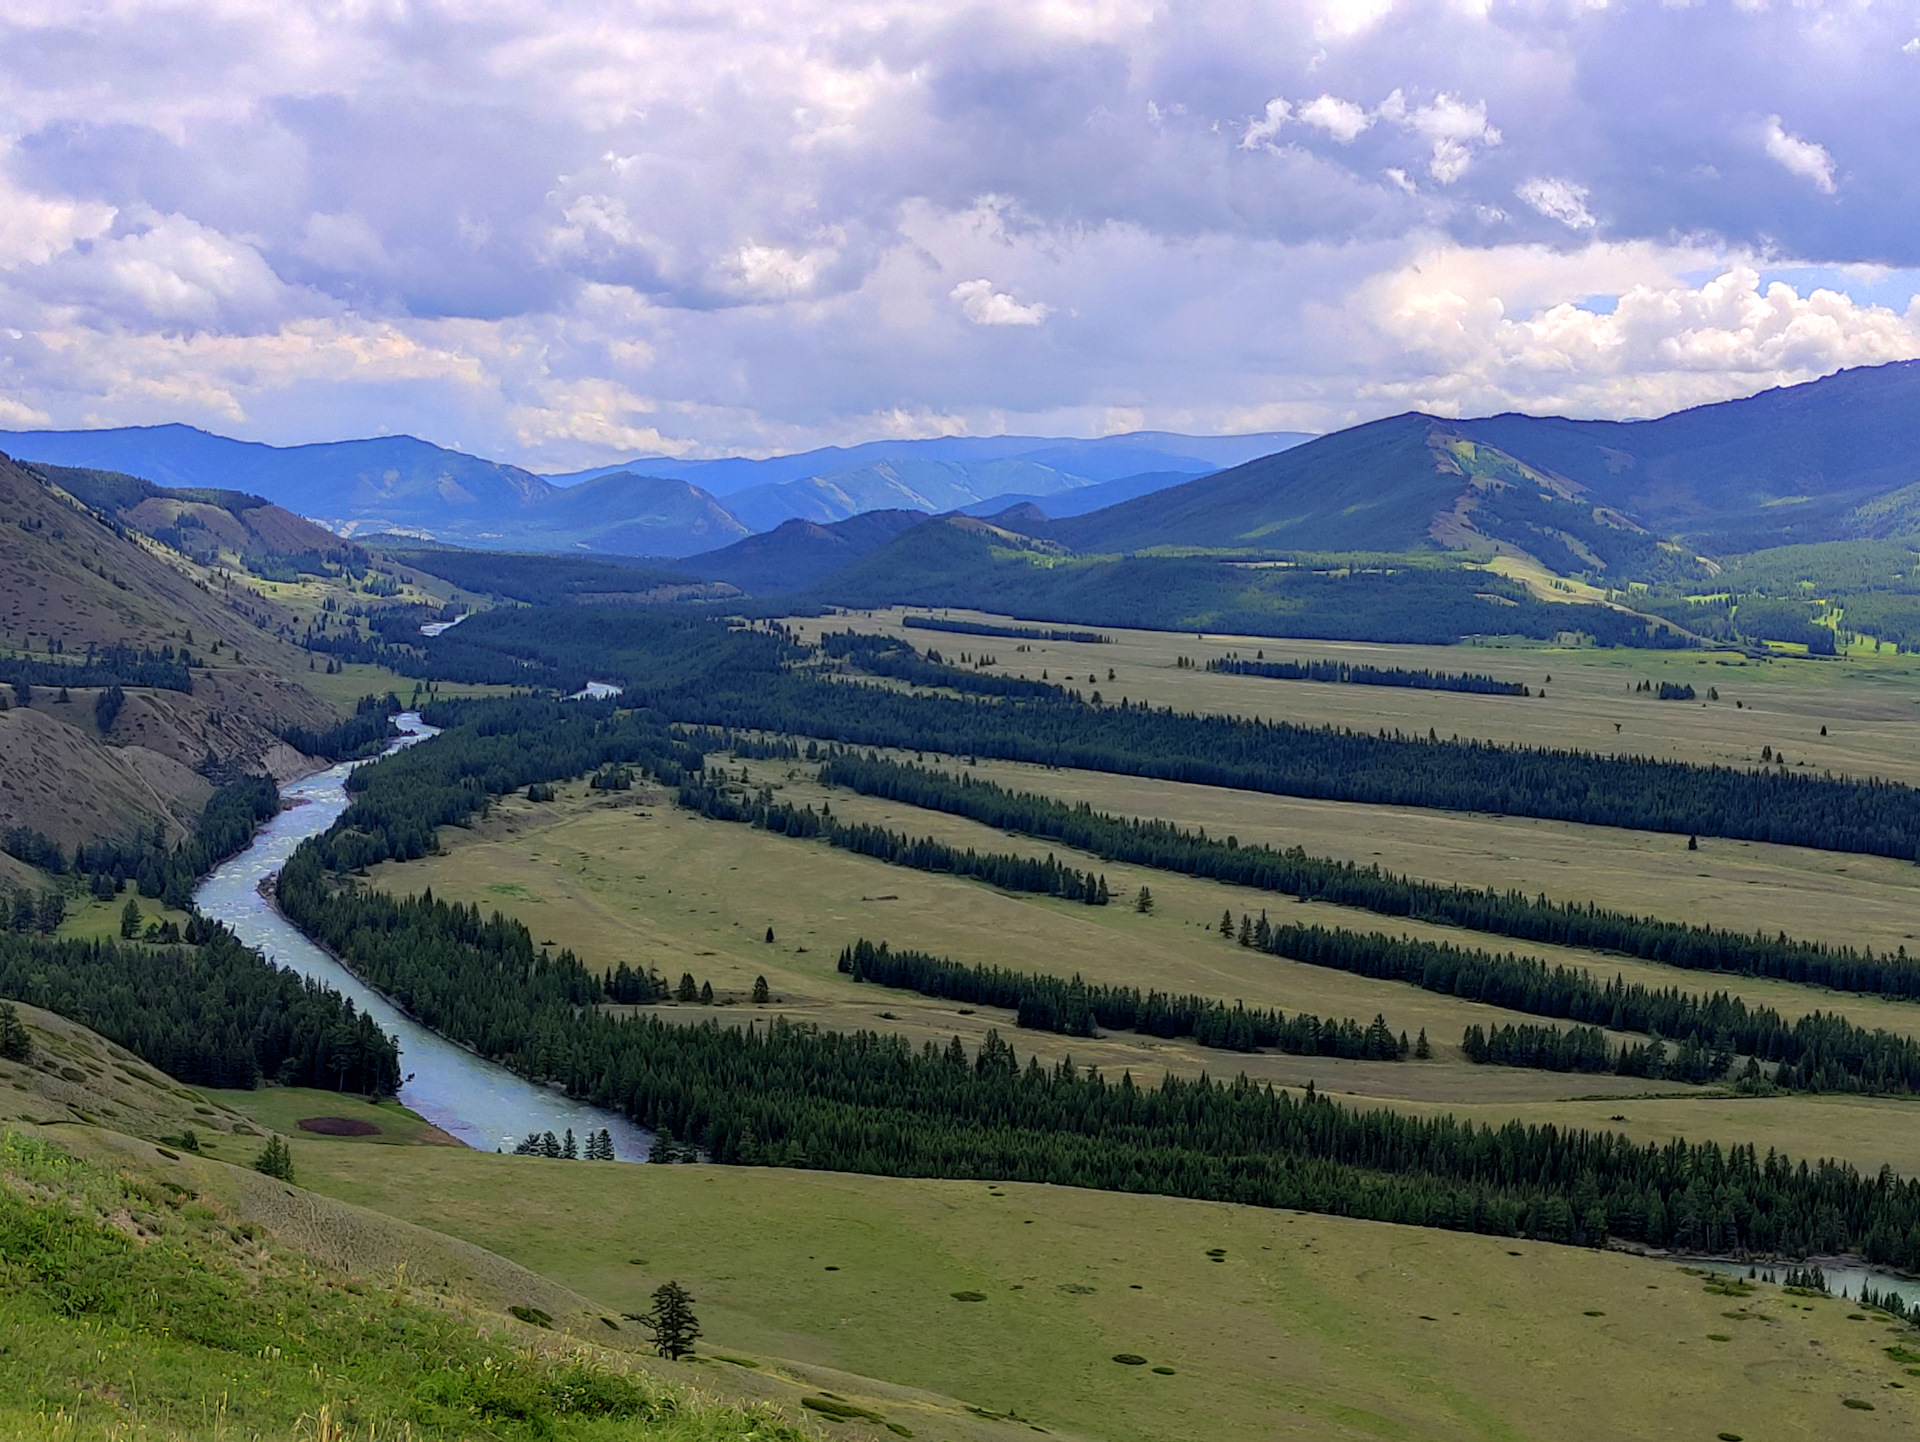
pixel 983 305
pixel 1559 200
pixel 1799 157
pixel 1261 131
pixel 1455 130
pixel 1345 121
pixel 1663 342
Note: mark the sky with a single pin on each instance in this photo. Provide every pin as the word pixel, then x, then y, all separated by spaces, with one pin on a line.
pixel 563 234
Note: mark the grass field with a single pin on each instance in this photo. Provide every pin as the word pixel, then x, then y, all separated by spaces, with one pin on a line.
pixel 636 879
pixel 282 1109
pixel 344 688
pixel 1308 1326
pixel 1867 702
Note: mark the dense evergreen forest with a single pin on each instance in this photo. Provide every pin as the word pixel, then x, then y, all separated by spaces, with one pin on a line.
pixel 1076 1008
pixel 794 1096
pixel 1349 674
pixel 1585 1049
pixel 369 729
pixel 210 1014
pixel 1166 847
pixel 1818 1052
pixel 490 748
pixel 1880 818
pixel 225 827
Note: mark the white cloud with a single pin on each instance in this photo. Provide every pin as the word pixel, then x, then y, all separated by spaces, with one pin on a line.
pixel 1455 130
pixel 1261 131
pixel 1912 47
pixel 34 228
pixel 1559 200
pixel 983 305
pixel 1341 119
pixel 1799 157
pixel 1490 332
pixel 770 272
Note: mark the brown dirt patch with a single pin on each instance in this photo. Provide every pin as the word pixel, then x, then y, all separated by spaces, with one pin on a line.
pixel 338 1126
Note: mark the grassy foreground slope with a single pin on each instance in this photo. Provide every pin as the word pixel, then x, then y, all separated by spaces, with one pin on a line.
pixel 149 1292
pixel 1018 1298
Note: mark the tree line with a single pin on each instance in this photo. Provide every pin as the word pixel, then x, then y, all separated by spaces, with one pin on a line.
pixel 1586 1049
pixel 1003 869
pixel 368 730
pixel 1820 1051
pixel 1076 1008
pixel 697 670
pixel 210 1014
pixel 1353 675
pixel 884 656
pixel 1009 633
pixel 117 665
pixel 490 747
pixel 1166 847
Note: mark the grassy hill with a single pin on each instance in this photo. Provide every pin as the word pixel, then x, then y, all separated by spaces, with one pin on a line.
pixel 1827 460
pixel 1377 487
pixel 230 1304
pixel 961 562
pixel 162 1292
pixel 799 553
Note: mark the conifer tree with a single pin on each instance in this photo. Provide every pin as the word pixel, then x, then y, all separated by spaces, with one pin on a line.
pixel 671 1321
pixel 761 993
pixel 15 1044
pixel 276 1160
pixel 1422 1048
pixel 570 1149
pixel 706 993
pixel 686 991
pixel 1226 924
pixel 1143 903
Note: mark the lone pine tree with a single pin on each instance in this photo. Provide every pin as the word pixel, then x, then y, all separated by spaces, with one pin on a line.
pixel 670 1320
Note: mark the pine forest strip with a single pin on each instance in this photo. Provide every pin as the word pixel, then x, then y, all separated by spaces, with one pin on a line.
pixel 1075 1008
pixel 1001 869
pixel 1818 1052
pixel 1347 673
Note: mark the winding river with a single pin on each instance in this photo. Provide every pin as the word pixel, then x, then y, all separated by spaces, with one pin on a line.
pixel 479 1102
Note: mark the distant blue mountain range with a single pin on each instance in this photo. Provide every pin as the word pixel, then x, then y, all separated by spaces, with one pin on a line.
pixel 649 506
